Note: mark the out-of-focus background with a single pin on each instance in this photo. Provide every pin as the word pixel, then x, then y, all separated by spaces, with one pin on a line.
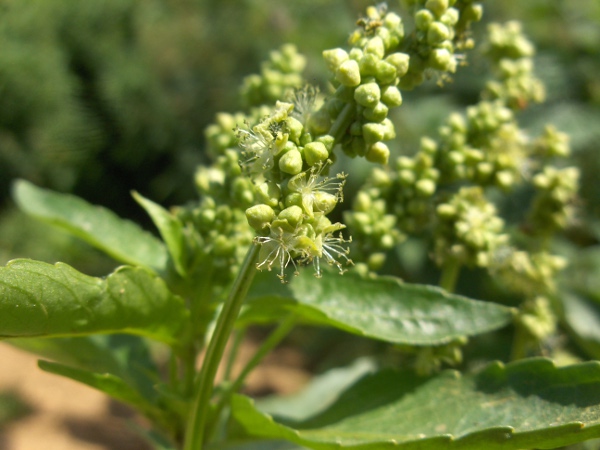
pixel 101 97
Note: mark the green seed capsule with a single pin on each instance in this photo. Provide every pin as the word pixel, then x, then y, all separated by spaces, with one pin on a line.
pixel 348 73
pixel 367 95
pixel 378 153
pixel 260 216
pixel 315 152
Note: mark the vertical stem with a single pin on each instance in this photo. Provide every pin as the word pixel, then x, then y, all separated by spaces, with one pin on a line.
pixel 343 120
pixel 450 272
pixel 194 436
pixel 269 344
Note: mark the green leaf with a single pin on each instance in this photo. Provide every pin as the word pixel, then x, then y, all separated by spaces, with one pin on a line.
pixel 108 383
pixel 383 308
pixel 256 445
pixel 126 356
pixel 40 299
pixel 321 393
pixel 169 227
pixel 121 239
pixel 527 404
pixel 582 318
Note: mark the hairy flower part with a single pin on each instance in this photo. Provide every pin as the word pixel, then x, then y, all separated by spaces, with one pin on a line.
pixel 304 101
pixel 263 142
pixel 318 194
pixel 332 249
pixel 279 249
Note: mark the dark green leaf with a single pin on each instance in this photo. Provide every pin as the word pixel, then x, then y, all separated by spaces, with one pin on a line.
pixel 527 404
pixel 169 227
pixel 110 384
pixel 321 393
pixel 383 308
pixel 39 299
pixel 582 318
pixel 121 239
pixel 126 356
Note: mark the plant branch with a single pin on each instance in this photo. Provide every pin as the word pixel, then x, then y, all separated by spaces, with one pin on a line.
pixel 194 438
pixel 269 344
pixel 450 272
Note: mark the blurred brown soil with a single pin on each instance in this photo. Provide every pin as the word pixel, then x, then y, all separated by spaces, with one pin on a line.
pixel 66 415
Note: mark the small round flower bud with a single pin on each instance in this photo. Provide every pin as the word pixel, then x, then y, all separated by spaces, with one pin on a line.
pixel 292 199
pixel 292 215
pixel 377 113
pixel 437 33
pixel 348 73
pixel 295 128
pixel 334 58
pixel 390 130
pixel 368 64
pixel 324 202
pixel 269 193
pixel 378 153
pixel 291 162
pixel 373 132
pixel 400 61
pixel 367 94
pixel 425 187
pixel 315 152
pixel 438 7
pixel 260 216
pixel 442 59
pixel 327 140
pixel 391 96
pixel 376 47
pixel 386 72
pixel 423 19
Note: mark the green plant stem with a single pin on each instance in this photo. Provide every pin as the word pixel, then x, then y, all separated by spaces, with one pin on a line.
pixel 237 340
pixel 450 272
pixel 194 436
pixel 265 348
pixel 342 122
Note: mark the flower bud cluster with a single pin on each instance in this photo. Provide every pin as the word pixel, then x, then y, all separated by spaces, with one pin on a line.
pixel 441 30
pixel 366 81
pixel 485 147
pixel 279 76
pixel 510 53
pixel 221 135
pixel 375 230
pixel 528 274
pixel 468 230
pixel 292 197
pixel 553 205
